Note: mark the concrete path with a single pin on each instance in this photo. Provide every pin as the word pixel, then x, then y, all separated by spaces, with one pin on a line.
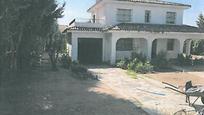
pixel 148 93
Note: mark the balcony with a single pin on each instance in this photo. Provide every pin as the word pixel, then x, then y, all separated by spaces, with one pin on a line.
pixel 79 22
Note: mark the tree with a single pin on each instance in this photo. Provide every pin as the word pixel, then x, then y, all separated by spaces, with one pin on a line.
pixel 198 45
pixel 200 21
pixel 24 29
pixel 55 45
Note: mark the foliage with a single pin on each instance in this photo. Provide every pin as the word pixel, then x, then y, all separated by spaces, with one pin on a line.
pixel 184 60
pixel 138 64
pixel 82 72
pixel 198 45
pixel 24 27
pixel 198 61
pixel 160 61
pixel 144 67
pixel 200 21
pixel 140 57
pixel 122 63
pixel 65 61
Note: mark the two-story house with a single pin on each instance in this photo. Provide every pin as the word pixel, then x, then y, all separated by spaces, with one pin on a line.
pixel 119 27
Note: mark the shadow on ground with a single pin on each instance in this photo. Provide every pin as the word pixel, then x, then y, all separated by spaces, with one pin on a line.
pixel 43 92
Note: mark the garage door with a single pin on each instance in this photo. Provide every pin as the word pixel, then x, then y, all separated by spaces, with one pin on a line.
pixel 90 50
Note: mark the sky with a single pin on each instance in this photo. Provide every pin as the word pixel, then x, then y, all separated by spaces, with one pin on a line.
pixel 78 9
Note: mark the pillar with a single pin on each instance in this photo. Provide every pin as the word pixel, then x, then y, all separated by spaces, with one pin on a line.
pixel 149 48
pixel 74 50
pixel 113 51
pixel 188 47
pixel 181 44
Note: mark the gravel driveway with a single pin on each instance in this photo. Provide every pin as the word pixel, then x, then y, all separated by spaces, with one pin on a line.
pixel 148 93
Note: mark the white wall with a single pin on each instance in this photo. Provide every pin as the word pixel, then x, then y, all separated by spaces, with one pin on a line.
pixel 158 13
pixel 162 47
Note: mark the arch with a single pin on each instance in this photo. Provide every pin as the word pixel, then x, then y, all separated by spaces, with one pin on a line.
pixel 126 46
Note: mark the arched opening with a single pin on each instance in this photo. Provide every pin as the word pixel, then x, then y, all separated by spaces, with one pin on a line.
pixel 126 46
pixel 169 46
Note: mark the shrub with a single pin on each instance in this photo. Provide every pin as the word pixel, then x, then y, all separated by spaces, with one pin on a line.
pixel 122 63
pixel 133 64
pixel 82 72
pixel 160 61
pixel 65 61
pixel 144 68
pixel 78 68
pixel 198 62
pixel 140 57
pixel 184 60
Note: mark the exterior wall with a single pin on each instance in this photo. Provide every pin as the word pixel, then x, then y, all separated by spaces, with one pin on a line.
pixel 142 43
pixel 162 47
pixel 139 46
pixel 76 35
pixel 158 13
pixel 107 47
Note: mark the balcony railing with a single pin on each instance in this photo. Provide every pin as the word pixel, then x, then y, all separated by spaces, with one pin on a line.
pixel 86 22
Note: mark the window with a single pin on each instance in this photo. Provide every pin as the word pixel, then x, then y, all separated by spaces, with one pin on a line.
pixel 124 15
pixel 125 44
pixel 147 16
pixel 170 44
pixel 170 17
pixel 94 18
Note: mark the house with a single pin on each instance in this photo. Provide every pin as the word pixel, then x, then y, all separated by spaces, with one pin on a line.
pixel 118 28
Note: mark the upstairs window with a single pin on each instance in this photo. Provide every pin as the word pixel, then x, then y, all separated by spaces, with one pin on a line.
pixel 170 17
pixel 147 16
pixel 124 44
pixel 124 15
pixel 170 44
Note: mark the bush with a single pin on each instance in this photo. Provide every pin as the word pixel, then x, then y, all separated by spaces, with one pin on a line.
pixel 198 62
pixel 78 68
pixel 144 68
pixel 140 57
pixel 133 64
pixel 81 72
pixel 184 60
pixel 66 61
pixel 122 63
pixel 160 61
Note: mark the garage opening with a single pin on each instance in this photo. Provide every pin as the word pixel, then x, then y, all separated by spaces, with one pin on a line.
pixel 90 50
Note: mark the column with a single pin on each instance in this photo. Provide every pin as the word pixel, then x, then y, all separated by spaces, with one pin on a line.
pixel 74 50
pixel 188 47
pixel 113 51
pixel 149 48
pixel 181 45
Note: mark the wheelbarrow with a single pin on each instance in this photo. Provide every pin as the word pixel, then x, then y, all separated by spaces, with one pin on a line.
pixel 190 91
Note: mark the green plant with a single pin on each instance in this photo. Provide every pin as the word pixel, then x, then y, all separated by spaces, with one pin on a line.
pixel 78 68
pixel 122 63
pixel 133 64
pixel 144 68
pixel 140 57
pixel 184 60
pixel 160 61
pixel 65 61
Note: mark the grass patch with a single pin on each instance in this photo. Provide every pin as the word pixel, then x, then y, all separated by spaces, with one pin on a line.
pixel 132 74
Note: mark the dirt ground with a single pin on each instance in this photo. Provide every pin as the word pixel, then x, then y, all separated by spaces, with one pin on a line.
pixel 59 93
pixel 179 78
pixel 149 93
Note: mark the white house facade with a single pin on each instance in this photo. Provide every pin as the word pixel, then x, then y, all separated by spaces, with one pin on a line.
pixel 119 28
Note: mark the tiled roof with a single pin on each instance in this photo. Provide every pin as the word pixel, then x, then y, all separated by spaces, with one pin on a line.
pixel 157 2
pixel 141 27
pixel 155 28
pixel 75 28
